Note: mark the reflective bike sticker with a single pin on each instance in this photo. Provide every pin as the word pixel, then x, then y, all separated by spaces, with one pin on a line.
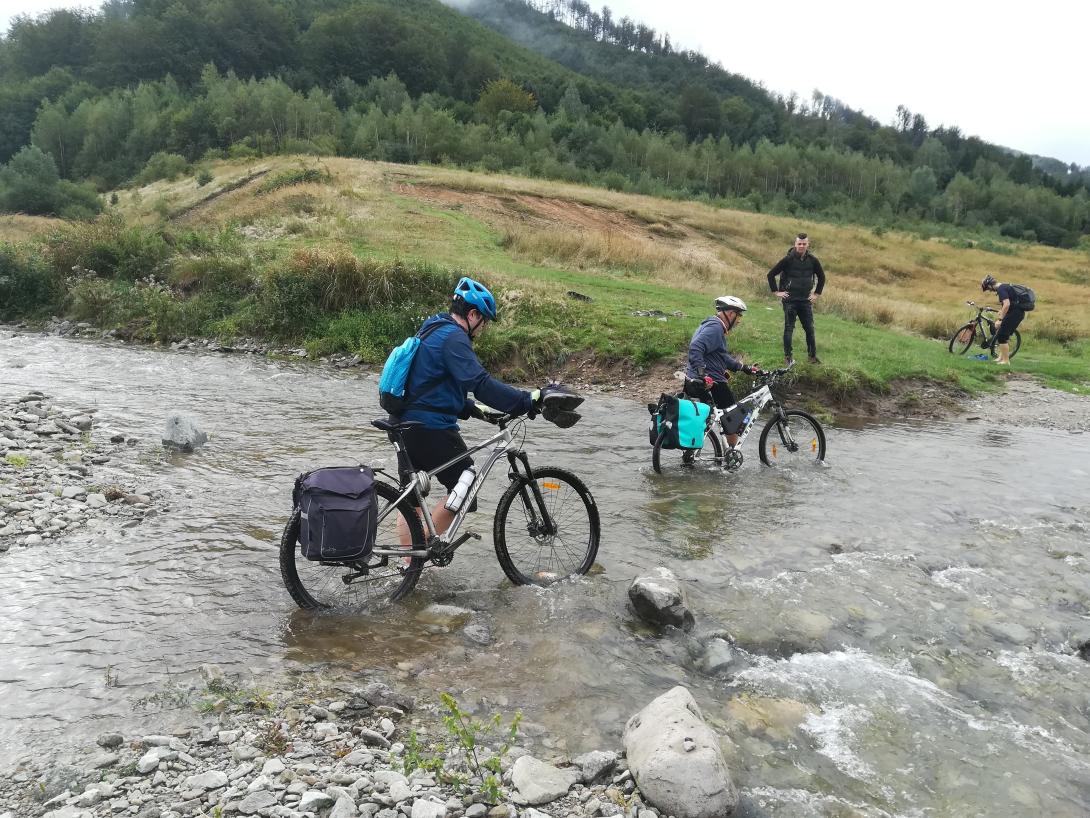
pixel 774 449
pixel 553 486
pixel 813 445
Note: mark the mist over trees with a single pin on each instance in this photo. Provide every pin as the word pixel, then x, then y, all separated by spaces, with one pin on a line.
pixel 143 89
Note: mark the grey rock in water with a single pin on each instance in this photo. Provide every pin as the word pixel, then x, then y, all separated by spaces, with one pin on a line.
pixel 657 598
pixel 182 433
pixel 110 740
pixel 540 783
pixel 719 657
pixel 676 759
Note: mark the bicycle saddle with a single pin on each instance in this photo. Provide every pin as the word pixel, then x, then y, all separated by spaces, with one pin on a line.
pixel 395 427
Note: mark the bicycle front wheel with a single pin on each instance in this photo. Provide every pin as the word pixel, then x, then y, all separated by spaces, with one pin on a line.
pixel 713 447
pixel 1014 344
pixel 529 553
pixel 317 585
pixel 797 438
pixel 962 340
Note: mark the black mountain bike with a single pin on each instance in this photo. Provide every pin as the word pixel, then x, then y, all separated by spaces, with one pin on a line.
pixel 980 331
pixel 546 528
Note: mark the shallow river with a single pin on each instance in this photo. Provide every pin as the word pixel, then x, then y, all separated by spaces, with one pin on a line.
pixel 907 617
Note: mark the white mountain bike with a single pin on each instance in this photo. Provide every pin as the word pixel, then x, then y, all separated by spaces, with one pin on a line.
pixel 791 436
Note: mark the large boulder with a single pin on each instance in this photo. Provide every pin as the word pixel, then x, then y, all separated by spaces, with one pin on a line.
pixel 676 760
pixel 181 432
pixel 657 597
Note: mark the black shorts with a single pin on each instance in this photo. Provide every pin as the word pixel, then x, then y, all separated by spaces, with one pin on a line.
pixel 428 448
pixel 1009 324
pixel 721 393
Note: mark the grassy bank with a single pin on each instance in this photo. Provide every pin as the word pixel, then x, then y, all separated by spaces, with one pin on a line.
pixel 346 255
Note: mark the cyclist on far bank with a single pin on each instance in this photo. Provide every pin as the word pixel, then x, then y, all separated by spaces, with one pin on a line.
pixel 710 364
pixel 1010 316
pixel 445 370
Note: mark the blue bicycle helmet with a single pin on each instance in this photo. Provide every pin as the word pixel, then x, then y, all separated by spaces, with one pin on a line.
pixel 476 295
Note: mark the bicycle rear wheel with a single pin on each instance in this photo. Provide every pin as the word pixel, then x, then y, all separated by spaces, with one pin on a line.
pixel 713 447
pixel 797 439
pixel 321 585
pixel 1014 344
pixel 962 340
pixel 528 554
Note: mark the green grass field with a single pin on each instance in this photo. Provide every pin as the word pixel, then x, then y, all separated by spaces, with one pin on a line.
pixel 891 300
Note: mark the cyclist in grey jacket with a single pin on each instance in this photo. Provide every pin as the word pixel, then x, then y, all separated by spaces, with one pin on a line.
pixel 709 360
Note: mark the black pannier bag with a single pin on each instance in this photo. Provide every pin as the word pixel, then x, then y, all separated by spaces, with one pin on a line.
pixel 337 512
pixel 735 420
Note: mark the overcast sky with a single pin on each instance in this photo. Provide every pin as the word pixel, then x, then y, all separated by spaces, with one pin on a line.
pixel 1004 72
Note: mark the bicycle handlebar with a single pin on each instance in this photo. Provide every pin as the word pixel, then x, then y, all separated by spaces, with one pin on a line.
pixel 981 307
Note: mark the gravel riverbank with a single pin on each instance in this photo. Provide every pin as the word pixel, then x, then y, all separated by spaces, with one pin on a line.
pixel 348 750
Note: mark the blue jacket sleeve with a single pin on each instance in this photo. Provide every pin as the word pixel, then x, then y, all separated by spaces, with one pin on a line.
pixel 465 367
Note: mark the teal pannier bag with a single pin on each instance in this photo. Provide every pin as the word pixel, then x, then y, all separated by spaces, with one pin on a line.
pixel 683 420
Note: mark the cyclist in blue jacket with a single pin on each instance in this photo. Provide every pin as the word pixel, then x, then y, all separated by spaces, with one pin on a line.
pixel 709 362
pixel 445 370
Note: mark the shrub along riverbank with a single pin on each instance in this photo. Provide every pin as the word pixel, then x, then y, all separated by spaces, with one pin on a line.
pixel 348 256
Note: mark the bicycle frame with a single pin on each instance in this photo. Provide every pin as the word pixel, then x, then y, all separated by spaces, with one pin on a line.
pixel 758 399
pixel 419 484
pixel 983 326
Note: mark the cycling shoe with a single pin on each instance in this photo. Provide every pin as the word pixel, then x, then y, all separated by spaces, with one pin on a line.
pixel 563 418
pixel 558 396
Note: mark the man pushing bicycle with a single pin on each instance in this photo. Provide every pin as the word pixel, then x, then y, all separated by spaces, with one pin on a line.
pixel 709 361
pixel 444 370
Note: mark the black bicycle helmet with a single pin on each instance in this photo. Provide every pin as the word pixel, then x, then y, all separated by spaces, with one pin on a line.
pixel 987 283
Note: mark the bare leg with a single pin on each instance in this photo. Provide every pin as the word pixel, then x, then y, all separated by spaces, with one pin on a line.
pixel 1004 356
pixel 732 440
pixel 440 516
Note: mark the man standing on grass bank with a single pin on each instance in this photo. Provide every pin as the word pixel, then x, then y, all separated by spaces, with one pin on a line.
pixel 1014 300
pixel 798 271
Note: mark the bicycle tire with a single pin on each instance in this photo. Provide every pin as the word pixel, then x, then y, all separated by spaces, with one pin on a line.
pixel 772 453
pixel 958 345
pixel 322 586
pixel 1014 343
pixel 578 556
pixel 688 456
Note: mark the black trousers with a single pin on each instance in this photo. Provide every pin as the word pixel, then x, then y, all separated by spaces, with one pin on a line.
pixel 804 312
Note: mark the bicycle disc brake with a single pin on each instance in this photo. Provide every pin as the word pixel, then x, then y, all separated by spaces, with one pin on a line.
pixel 732 460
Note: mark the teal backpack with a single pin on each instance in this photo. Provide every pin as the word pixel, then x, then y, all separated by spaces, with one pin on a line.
pixel 396 371
pixel 683 420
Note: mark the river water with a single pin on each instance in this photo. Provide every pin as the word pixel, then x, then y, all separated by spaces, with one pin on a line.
pixel 906 619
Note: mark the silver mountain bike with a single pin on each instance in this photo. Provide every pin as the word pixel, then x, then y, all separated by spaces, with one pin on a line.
pixel 546 527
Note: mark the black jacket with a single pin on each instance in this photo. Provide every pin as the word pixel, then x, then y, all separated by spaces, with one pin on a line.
pixel 797 274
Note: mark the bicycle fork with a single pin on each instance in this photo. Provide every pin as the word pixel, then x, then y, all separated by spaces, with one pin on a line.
pixel 540 523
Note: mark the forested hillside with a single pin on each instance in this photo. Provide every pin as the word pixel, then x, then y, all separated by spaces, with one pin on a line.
pixel 146 89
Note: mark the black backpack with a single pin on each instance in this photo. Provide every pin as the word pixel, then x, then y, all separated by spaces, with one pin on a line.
pixel 1024 298
pixel 338 514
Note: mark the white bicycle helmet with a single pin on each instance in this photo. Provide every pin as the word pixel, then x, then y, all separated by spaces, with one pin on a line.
pixel 730 302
